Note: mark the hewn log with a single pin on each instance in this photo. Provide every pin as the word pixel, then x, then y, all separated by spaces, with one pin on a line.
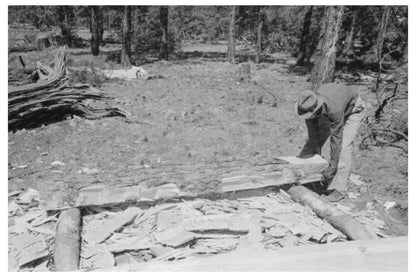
pixel 389 254
pixel 67 240
pixel 297 170
pixel 324 209
pixel 218 178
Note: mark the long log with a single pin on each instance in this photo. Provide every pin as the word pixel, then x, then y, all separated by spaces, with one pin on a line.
pixel 67 240
pixel 295 170
pixel 220 177
pixel 324 209
pixel 25 48
pixel 389 254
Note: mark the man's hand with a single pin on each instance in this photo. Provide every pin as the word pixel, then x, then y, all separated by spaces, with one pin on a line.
pixel 328 174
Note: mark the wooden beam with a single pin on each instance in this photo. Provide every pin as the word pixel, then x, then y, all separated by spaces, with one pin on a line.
pixel 324 209
pixel 390 254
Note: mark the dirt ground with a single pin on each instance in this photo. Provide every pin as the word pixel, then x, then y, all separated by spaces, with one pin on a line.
pixel 200 118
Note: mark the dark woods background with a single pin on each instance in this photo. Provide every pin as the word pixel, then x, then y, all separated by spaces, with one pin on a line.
pixel 365 34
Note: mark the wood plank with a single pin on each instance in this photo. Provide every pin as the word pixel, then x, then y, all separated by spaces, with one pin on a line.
pixel 97 235
pixel 103 195
pixel 26 248
pixel 389 254
pixel 133 243
pixel 174 237
pixel 167 219
pixel 224 222
pixel 96 256
pixel 314 160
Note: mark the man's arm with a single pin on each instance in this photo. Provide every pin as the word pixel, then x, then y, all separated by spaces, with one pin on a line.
pixel 335 130
pixel 350 107
pixel 313 134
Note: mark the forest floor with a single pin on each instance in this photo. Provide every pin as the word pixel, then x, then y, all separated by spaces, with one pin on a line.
pixel 198 115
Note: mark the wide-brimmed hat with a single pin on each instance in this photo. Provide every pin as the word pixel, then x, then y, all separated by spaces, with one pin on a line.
pixel 307 104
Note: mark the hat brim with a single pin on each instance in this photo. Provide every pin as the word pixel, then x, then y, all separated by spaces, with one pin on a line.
pixel 308 114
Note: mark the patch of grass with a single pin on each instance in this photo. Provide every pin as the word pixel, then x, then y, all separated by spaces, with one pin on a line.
pixel 88 75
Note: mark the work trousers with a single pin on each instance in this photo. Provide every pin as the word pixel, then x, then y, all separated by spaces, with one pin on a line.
pixel 351 125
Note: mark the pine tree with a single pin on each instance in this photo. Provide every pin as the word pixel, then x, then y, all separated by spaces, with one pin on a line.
pixel 231 36
pixel 126 38
pixel 324 67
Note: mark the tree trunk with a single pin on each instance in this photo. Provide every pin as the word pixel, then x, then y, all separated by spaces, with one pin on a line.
pixel 382 32
pixel 101 24
pixel 259 32
pixel 126 38
pixel 163 17
pixel 380 41
pixel 324 67
pixel 231 36
pixel 63 21
pixel 109 22
pixel 348 49
pixel 95 30
pixel 304 39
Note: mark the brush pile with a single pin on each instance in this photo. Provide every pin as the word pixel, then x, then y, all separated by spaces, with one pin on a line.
pixel 46 96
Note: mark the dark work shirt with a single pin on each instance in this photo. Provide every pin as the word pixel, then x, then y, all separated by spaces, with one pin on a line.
pixel 338 103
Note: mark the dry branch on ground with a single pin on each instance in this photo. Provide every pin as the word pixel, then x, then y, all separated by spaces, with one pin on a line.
pixel 46 96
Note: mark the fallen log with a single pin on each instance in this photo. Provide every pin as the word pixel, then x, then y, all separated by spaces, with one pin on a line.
pixel 47 97
pixel 324 209
pixel 298 170
pixel 23 48
pixel 67 240
pixel 217 179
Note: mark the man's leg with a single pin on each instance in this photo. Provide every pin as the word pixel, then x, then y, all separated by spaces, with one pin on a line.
pixel 351 126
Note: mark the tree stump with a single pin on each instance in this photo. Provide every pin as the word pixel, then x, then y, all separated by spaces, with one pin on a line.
pixel 43 43
pixel 243 73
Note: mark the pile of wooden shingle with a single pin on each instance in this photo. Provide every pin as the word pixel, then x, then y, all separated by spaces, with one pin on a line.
pixel 31 232
pixel 168 230
pixel 201 227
